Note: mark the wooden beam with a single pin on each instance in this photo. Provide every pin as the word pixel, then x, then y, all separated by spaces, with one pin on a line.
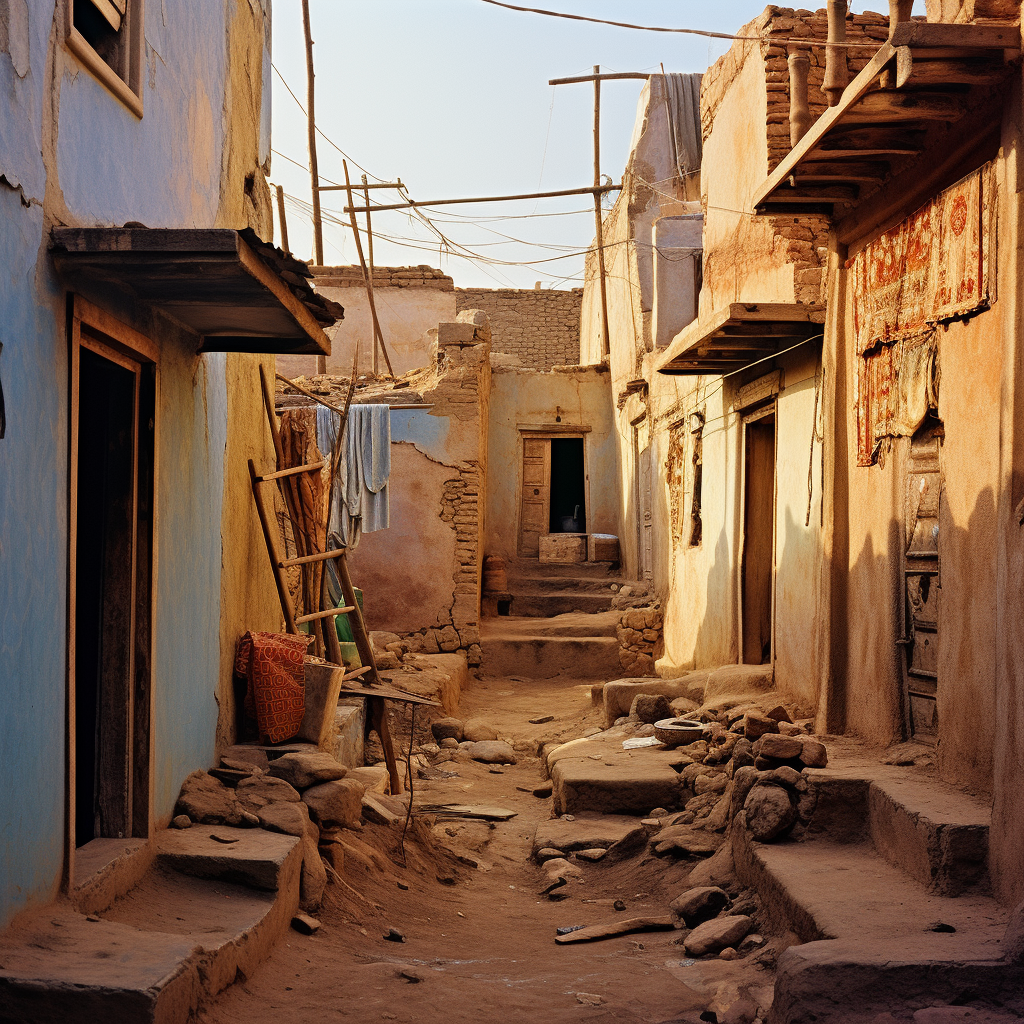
pixel 840 172
pixel 814 194
pixel 961 37
pixel 590 190
pixel 596 77
pixel 888 107
pixel 318 226
pixel 977 71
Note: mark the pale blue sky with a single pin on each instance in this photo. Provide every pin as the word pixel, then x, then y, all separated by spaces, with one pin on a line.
pixel 452 96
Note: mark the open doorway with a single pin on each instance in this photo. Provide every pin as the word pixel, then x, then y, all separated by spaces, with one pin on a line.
pixel 758 538
pixel 112 420
pixel 554 488
pixel 568 512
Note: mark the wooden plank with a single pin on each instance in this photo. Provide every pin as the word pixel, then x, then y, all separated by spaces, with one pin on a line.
pixel 887 106
pixel 912 69
pixel 614 928
pixel 810 194
pixel 853 170
pixel 611 77
pixel 961 37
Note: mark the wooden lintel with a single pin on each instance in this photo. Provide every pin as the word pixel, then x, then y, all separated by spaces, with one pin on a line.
pixel 961 37
pixel 913 69
pixel 813 194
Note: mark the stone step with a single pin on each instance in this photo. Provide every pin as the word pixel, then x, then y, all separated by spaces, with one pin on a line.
pixel 868 932
pixel 545 605
pixel 542 657
pixel 546 584
pixel 158 951
pixel 585 624
pixel 932 831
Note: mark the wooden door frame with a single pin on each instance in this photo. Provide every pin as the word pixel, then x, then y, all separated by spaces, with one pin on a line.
pixel 548 431
pixel 114 340
pixel 761 412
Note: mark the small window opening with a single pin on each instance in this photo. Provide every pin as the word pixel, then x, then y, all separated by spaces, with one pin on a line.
pixel 106 35
pixel 504 607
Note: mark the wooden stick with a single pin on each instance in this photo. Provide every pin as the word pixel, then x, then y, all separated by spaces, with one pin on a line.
pixel 320 556
pixel 318 228
pixel 384 184
pixel 601 78
pixel 309 394
pixel 282 219
pixel 325 614
pixel 599 219
pixel 489 199
pixel 275 556
pixel 362 264
pixel 294 471
pixel 369 275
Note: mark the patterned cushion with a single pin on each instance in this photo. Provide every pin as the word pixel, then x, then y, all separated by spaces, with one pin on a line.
pixel 272 663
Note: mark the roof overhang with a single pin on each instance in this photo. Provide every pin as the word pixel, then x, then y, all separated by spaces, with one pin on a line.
pixel 236 292
pixel 741 334
pixel 909 97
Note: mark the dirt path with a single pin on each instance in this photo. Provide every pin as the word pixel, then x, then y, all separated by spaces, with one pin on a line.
pixel 479 941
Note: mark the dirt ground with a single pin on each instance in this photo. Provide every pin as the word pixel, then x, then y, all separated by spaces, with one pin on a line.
pixel 479 941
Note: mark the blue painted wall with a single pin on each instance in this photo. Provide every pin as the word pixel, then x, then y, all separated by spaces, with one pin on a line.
pixel 99 165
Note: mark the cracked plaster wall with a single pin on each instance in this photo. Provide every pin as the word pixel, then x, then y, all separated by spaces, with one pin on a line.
pixel 73 154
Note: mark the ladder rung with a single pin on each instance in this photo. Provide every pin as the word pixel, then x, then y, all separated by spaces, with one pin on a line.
pixel 310 467
pixel 356 673
pixel 321 556
pixel 325 615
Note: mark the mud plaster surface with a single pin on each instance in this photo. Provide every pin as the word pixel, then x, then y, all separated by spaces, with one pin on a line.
pixel 484 947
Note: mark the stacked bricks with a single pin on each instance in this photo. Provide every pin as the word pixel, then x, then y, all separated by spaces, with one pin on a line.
pixel 640 640
pixel 801 241
pixel 540 327
pixel 384 277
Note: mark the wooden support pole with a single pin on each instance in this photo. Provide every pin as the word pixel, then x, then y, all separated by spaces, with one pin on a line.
pixel 610 77
pixel 362 264
pixel 799 110
pixel 486 199
pixel 282 220
pixel 377 340
pixel 837 72
pixel 383 184
pixel 899 11
pixel 318 228
pixel 598 215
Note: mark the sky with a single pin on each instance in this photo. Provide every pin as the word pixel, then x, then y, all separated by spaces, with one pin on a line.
pixel 451 96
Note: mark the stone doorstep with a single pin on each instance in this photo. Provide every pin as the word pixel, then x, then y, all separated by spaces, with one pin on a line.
pixel 545 604
pixel 105 869
pixel 617 782
pixel 544 657
pixel 578 624
pixel 932 831
pixel 254 857
pixel 169 943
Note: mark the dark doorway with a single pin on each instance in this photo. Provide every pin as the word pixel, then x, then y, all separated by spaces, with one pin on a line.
pixel 568 489
pixel 758 537
pixel 112 578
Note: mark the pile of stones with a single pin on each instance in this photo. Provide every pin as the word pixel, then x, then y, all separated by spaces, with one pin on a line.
pixel 304 793
pixel 473 740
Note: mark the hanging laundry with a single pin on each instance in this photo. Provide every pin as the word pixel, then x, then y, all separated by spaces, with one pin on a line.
pixel 360 501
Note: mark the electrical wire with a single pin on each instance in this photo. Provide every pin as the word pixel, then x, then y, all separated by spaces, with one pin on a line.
pixel 682 31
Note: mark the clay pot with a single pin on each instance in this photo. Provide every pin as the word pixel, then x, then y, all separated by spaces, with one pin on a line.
pixel 678 732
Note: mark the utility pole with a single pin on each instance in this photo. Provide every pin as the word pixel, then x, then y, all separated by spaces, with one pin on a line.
pixel 318 228
pixel 597 78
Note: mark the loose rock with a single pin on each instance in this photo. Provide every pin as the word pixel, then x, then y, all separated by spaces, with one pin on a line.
pixel 207 801
pixel 813 752
pixel 491 752
pixel 261 790
pixel 476 730
pixel 650 707
pixel 781 748
pixel 290 818
pixel 303 769
pixel 715 935
pixel 305 925
pixel 446 729
pixel 756 725
pixel 700 904
pixel 770 812
pixel 338 803
pixel 181 821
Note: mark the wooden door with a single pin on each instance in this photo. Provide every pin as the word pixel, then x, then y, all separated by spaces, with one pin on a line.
pixel 536 503
pixel 922 586
pixel 758 543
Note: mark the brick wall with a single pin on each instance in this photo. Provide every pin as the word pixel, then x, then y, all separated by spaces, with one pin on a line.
pixel 540 327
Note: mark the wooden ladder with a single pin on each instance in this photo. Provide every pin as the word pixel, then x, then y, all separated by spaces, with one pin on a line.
pixel 367 675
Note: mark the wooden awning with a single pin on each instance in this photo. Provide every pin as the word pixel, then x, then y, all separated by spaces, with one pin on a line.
pixel 923 80
pixel 740 334
pixel 235 291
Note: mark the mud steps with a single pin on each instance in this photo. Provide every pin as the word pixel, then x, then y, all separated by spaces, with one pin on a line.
pixel 157 951
pixel 888 856
pixel 583 646
pixel 542 590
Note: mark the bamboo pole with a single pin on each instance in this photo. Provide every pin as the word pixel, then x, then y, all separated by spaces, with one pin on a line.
pixel 318 228
pixel 589 190
pixel 362 264
pixel 598 218
pixel 282 220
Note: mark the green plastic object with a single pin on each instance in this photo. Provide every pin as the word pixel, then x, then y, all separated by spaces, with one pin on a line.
pixel 343 626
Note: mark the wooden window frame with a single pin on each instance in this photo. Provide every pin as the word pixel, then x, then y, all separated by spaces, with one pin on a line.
pixel 112 339
pixel 128 92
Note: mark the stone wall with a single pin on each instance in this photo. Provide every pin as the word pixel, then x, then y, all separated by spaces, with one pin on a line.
pixel 541 328
pixel 384 277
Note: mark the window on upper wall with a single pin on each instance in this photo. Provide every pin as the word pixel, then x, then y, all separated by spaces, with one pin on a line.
pixel 106 36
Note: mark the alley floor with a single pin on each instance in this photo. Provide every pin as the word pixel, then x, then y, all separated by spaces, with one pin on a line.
pixel 479 941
